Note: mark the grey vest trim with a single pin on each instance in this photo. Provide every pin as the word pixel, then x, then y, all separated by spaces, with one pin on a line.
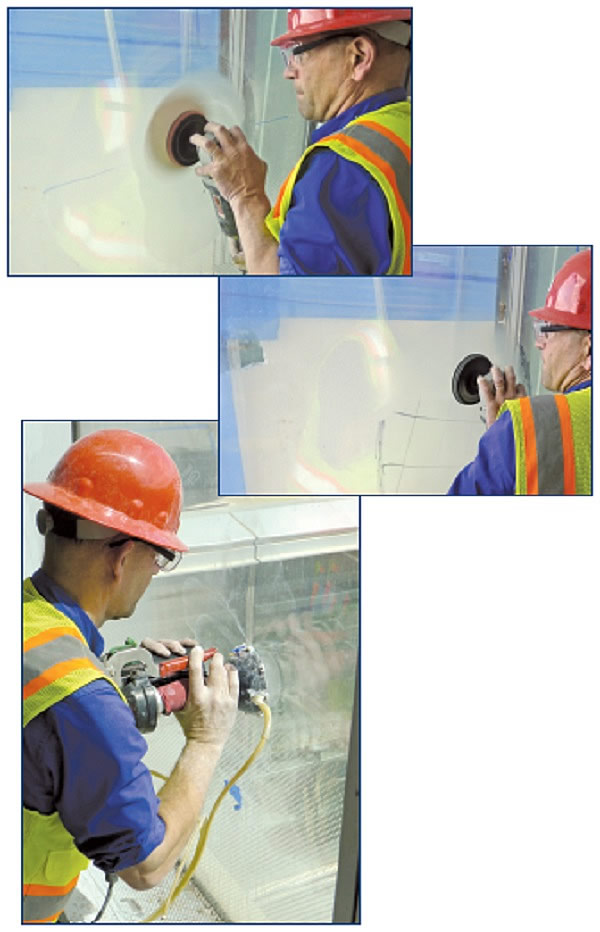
pixel 548 438
pixel 63 648
pixel 390 153
pixel 38 908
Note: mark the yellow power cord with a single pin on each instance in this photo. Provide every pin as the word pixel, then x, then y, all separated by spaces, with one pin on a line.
pixel 179 884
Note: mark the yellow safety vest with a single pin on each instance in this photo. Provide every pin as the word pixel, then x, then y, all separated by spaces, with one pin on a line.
pixel 380 142
pixel 553 443
pixel 57 662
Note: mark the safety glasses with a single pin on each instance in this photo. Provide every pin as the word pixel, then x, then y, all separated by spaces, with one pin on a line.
pixel 165 560
pixel 292 54
pixel 542 328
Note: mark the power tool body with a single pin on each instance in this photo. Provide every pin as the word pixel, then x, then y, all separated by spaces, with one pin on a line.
pixel 155 685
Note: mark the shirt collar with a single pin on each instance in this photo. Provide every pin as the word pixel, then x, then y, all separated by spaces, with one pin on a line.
pixel 576 388
pixel 383 99
pixel 62 601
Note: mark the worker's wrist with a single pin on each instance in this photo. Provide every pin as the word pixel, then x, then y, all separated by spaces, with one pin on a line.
pixel 209 746
pixel 251 202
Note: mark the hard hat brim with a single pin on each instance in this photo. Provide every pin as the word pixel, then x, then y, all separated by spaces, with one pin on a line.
pixel 104 515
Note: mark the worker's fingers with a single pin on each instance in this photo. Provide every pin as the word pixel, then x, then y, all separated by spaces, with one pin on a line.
pixel 217 675
pixel 166 646
pixel 499 382
pixel 208 143
pixel 204 170
pixel 196 669
pixel 233 681
pixel 223 134
pixel 513 389
pixel 486 390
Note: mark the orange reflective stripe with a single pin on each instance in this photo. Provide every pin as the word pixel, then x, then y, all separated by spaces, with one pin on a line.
pixel 566 430
pixel 51 634
pixel 361 149
pixel 378 128
pixel 39 889
pixel 277 207
pixel 47 919
pixel 531 463
pixel 55 673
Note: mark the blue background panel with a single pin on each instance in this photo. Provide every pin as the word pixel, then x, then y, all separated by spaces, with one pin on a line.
pixel 70 47
pixel 452 283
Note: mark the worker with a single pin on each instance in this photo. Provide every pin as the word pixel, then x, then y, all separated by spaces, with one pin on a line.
pixel 110 519
pixel 542 445
pixel 345 207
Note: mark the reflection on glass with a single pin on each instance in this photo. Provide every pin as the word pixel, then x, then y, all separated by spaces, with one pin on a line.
pixel 273 850
pixel 88 194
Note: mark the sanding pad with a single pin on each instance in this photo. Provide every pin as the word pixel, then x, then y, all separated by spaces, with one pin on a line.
pixel 202 97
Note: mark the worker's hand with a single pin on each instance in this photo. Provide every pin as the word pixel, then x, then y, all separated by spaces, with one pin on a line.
pixel 236 169
pixel 211 708
pixel 164 647
pixel 502 387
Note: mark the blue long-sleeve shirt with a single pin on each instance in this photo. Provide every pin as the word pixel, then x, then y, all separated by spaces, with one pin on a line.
pixel 338 222
pixel 83 758
pixel 494 471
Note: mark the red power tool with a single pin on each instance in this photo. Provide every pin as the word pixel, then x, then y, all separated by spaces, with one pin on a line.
pixel 155 685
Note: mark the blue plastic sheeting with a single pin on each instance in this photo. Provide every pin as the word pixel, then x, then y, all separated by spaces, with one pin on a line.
pixel 230 456
pixel 70 47
pixel 455 283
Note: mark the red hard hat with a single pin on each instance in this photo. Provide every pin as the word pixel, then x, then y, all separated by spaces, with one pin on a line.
pixel 120 480
pixel 308 22
pixel 569 300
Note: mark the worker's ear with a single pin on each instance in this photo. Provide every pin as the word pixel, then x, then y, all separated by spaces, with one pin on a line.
pixel 364 51
pixel 118 558
pixel 587 350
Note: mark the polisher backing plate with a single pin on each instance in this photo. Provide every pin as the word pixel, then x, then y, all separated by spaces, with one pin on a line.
pixel 205 94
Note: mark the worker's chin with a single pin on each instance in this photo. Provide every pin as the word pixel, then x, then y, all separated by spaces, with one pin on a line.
pixel 304 108
pixel 124 613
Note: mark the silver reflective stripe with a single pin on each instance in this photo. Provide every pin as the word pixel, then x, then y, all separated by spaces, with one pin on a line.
pixel 390 153
pixel 38 908
pixel 63 648
pixel 548 438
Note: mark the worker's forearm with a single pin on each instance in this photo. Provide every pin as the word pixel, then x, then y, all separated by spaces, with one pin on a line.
pixel 181 800
pixel 260 248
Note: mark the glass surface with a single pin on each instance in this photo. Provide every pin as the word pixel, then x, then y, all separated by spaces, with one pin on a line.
pixel 338 387
pixel 92 94
pixel 273 848
pixel 341 387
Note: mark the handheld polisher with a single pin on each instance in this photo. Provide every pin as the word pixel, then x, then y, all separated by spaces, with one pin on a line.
pixel 180 115
pixel 185 153
pixel 154 685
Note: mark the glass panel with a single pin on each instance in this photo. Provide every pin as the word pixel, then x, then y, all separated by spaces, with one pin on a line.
pixel 272 852
pixel 331 386
pixel 90 107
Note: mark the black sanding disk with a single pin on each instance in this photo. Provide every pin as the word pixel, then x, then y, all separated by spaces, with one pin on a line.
pixel 179 147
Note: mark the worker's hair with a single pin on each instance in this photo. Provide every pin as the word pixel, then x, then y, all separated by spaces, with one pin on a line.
pixel 382 46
